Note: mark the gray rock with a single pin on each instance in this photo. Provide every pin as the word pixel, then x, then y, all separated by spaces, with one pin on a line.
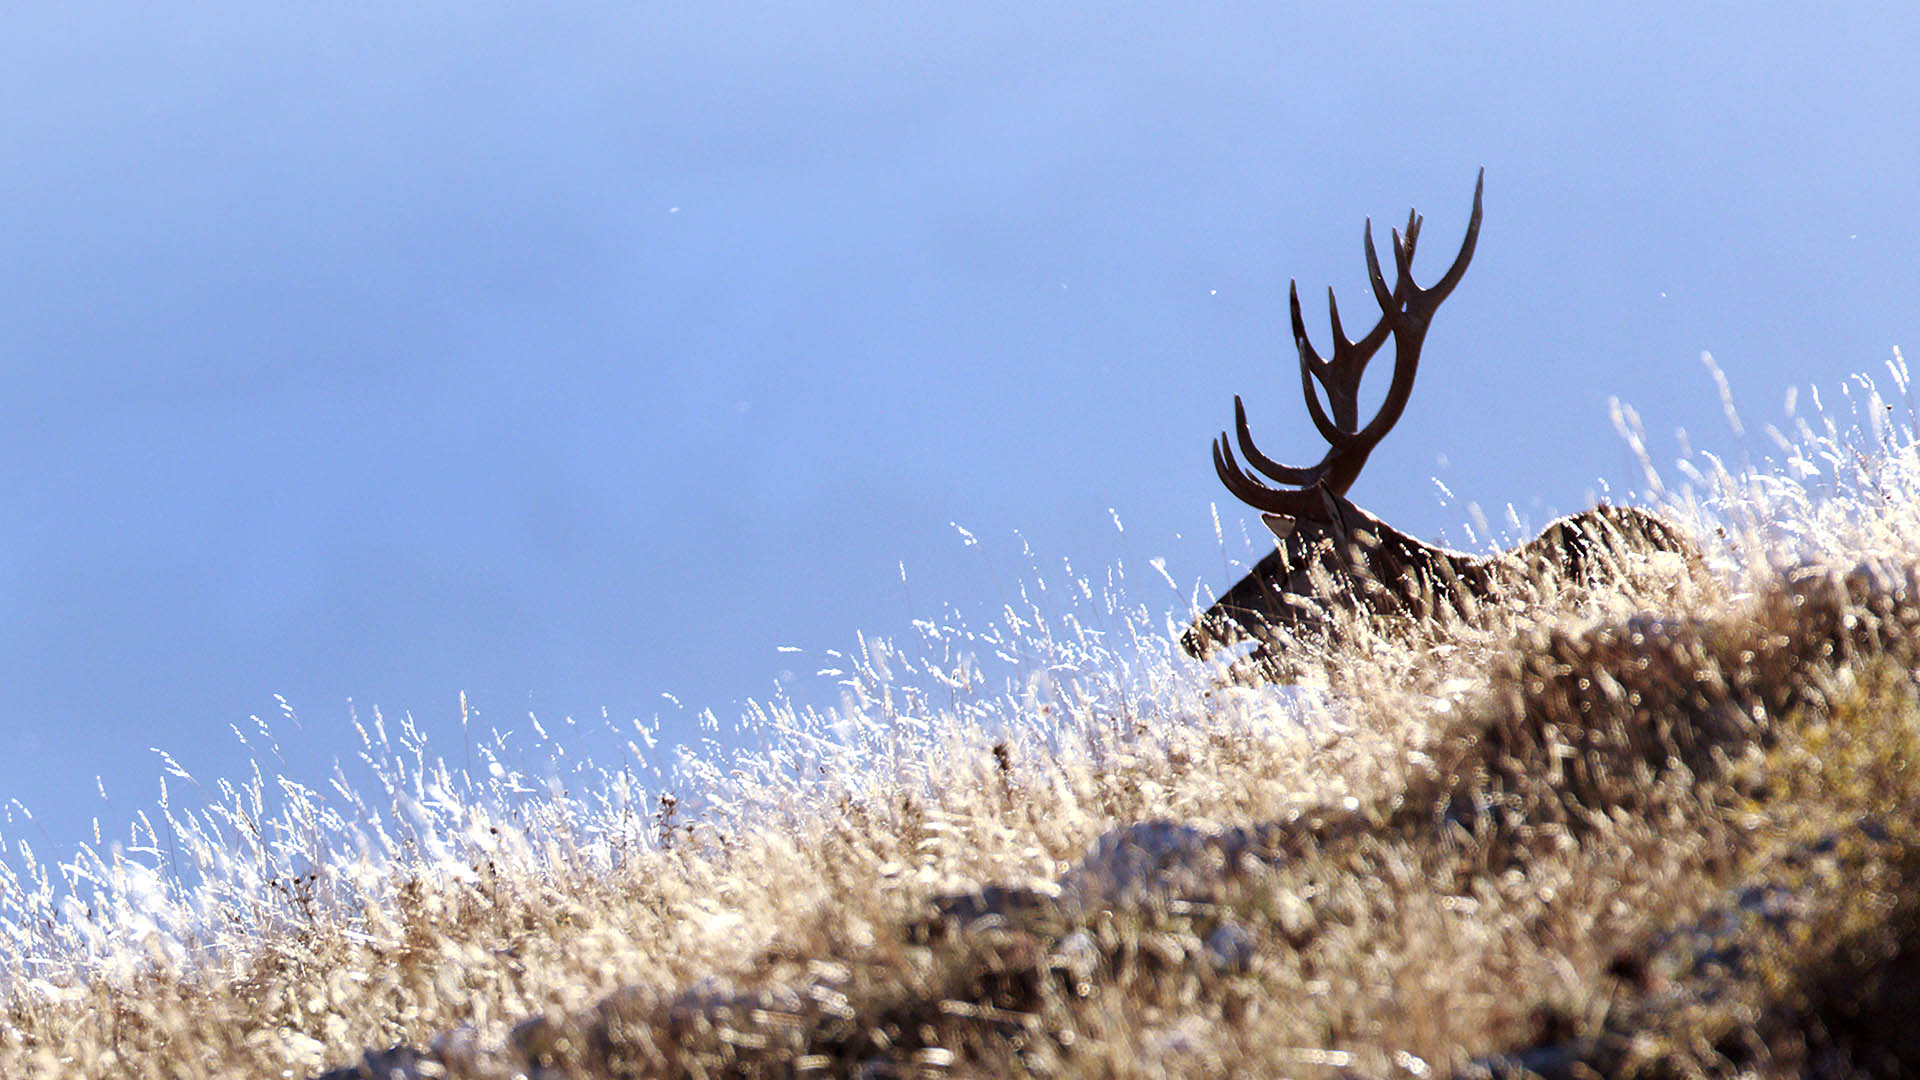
pixel 1230 948
pixel 393 1063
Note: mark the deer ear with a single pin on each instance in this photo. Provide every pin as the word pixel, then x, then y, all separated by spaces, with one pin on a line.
pixel 1280 525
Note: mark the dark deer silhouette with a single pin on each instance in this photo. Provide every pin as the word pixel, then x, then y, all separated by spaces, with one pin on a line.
pixel 1331 553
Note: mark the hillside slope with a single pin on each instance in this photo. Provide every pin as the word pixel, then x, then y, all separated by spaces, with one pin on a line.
pixel 1669 827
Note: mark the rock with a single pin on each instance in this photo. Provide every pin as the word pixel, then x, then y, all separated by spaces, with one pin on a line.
pixel 393 1063
pixel 1230 948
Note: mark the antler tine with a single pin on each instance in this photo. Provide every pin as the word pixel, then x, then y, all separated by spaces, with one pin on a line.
pixel 1306 503
pixel 1308 355
pixel 1363 349
pixel 1311 364
pixel 1286 474
pixel 1333 317
pixel 1388 299
pixel 1415 219
pixel 1403 251
pixel 1345 401
pixel 1452 277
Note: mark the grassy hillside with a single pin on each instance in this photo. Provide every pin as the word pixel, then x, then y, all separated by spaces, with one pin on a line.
pixel 1670 826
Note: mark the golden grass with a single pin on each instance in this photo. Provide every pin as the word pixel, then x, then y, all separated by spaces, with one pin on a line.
pixel 1667 826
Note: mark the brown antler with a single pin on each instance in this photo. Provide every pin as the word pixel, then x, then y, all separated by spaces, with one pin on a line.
pixel 1406 311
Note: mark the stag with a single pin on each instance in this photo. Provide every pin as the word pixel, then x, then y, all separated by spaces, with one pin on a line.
pixel 1332 554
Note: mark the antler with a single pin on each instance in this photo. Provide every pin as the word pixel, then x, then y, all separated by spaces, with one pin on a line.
pixel 1406 311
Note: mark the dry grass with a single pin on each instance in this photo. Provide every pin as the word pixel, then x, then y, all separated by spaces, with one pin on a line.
pixel 1665 827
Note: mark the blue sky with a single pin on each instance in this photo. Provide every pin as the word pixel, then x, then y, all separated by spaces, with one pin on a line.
pixel 570 355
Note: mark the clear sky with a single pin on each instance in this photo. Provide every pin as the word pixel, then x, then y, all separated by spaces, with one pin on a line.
pixel 569 355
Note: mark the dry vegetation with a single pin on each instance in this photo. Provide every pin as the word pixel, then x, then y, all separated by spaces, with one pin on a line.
pixel 1668 827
